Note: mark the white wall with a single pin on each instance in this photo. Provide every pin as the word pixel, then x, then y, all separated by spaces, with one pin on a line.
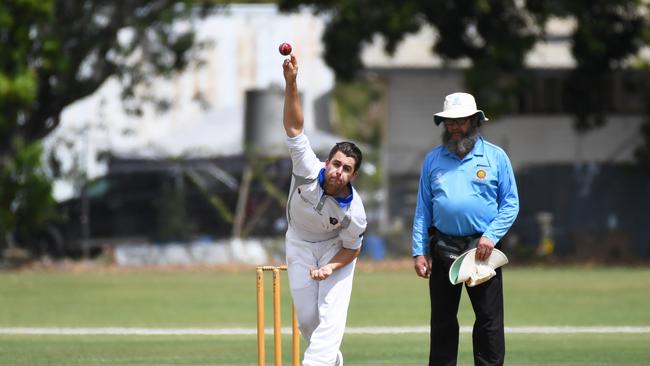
pixel 244 56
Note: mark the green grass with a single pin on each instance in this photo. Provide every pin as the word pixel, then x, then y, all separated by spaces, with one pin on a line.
pixel 533 296
pixel 151 299
pixel 575 296
pixel 359 350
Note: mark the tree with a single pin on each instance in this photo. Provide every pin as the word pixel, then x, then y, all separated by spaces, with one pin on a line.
pixel 607 34
pixel 642 152
pixel 495 36
pixel 54 52
pixel 26 191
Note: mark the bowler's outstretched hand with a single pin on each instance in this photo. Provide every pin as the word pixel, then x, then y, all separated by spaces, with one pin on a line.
pixel 290 69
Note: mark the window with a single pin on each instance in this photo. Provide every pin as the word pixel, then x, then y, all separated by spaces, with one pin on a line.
pixel 544 92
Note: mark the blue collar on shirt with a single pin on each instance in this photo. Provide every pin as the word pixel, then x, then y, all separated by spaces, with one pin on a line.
pixel 343 201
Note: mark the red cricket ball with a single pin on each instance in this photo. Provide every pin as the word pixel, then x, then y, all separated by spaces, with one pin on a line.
pixel 285 49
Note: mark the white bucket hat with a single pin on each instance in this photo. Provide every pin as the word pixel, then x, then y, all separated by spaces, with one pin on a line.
pixel 459 105
pixel 467 269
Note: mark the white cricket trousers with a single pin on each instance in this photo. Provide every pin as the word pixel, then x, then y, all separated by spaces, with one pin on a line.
pixel 321 306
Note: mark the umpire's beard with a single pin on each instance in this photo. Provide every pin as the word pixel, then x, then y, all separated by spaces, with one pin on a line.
pixel 464 145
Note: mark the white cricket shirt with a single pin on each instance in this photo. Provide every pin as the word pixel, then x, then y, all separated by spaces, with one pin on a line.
pixel 314 216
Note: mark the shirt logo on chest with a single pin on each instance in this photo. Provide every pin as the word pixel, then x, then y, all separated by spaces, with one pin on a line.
pixel 333 221
pixel 481 174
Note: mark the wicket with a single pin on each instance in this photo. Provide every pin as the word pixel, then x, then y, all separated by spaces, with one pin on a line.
pixel 277 324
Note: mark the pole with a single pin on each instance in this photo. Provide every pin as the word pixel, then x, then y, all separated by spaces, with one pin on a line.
pixel 277 323
pixel 261 356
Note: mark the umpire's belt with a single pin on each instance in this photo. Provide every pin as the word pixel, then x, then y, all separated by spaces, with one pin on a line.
pixel 446 248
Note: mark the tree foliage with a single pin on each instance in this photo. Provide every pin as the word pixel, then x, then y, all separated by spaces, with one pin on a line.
pixel 607 34
pixel 359 110
pixel 495 36
pixel 25 194
pixel 55 52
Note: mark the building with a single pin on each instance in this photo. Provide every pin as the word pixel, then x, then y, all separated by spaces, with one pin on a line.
pixel 589 195
pixel 207 104
pixel 539 137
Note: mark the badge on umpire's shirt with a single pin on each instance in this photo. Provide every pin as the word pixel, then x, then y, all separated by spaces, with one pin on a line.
pixel 333 221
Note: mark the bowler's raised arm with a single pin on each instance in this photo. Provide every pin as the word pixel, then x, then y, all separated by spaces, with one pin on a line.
pixel 293 118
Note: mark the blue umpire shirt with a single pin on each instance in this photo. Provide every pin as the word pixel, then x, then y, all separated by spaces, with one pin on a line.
pixel 477 194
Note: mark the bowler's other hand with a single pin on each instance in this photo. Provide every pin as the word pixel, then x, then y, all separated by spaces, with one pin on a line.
pixel 290 69
pixel 319 274
pixel 422 266
pixel 484 249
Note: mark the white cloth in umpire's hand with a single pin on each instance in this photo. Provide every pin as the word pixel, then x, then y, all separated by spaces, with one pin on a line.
pixel 467 269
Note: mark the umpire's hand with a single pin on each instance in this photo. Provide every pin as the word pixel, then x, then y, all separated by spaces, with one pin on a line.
pixel 422 266
pixel 484 248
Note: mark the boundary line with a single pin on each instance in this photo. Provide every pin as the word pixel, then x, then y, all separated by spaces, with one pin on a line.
pixel 287 330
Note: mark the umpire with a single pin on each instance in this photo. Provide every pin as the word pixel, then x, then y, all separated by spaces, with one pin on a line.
pixel 467 198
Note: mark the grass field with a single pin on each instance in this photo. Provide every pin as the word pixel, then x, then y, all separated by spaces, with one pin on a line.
pixel 535 296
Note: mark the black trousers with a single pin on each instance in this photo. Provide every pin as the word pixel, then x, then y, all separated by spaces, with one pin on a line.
pixel 487 336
